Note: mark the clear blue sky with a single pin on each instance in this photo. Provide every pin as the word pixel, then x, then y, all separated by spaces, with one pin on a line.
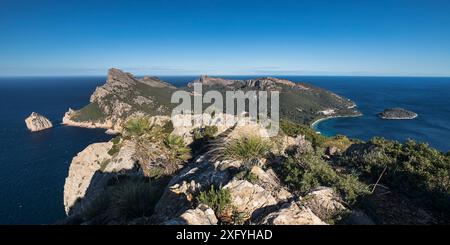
pixel 225 37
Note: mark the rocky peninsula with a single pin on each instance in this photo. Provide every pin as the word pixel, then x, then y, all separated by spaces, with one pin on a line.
pixel 37 122
pixel 397 114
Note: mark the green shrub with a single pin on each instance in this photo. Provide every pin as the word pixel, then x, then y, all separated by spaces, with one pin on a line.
pixel 168 127
pixel 98 206
pixel 133 199
pixel 124 199
pixel 137 126
pixel 217 199
pixel 339 141
pixel 247 148
pixel 115 147
pixel 309 171
pixel 177 147
pixel 414 169
pixel 202 138
pixel 91 112
pixel 247 175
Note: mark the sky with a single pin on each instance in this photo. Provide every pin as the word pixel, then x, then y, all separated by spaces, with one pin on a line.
pixel 186 37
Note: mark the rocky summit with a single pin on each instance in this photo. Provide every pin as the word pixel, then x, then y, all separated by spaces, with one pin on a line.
pixel 37 122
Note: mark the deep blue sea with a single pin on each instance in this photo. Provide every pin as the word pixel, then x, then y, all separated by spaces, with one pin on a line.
pixel 33 166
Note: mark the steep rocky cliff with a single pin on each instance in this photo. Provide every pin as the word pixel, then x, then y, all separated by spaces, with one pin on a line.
pixel 122 96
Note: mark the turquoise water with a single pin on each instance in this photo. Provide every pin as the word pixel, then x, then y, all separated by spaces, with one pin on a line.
pixel 428 97
pixel 33 166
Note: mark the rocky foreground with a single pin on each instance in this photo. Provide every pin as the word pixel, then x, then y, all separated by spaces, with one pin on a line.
pixel 256 194
pixel 211 173
pixel 37 122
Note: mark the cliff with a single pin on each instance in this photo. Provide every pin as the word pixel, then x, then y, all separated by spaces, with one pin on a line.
pixel 121 97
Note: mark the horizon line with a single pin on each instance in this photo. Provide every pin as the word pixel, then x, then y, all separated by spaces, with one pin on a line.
pixel 224 75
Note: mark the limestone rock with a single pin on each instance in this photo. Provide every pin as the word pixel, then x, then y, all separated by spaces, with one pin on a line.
pixel 124 160
pixel 81 171
pixel 292 214
pixel 202 215
pixel 179 195
pixel 90 171
pixel 270 182
pixel 331 150
pixel 247 197
pixel 37 122
pixel 325 203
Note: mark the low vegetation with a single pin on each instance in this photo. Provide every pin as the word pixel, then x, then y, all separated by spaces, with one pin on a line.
pixel 294 129
pixel 177 148
pixel 136 127
pixel 202 137
pixel 414 169
pixel 216 198
pixel 304 173
pixel 116 146
pixel 90 113
pixel 247 148
pixel 125 199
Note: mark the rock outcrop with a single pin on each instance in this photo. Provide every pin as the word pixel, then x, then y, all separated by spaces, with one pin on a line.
pixel 202 215
pixel 292 214
pixel 37 122
pixel 247 197
pixel 325 203
pixel 82 170
pixel 90 171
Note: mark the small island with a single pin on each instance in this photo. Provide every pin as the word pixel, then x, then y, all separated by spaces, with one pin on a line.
pixel 37 122
pixel 397 114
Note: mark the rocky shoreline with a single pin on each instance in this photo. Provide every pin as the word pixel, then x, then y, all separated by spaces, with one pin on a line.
pixel 111 128
pixel 316 122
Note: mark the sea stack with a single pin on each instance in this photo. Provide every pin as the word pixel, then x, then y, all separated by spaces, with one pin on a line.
pixel 397 114
pixel 37 122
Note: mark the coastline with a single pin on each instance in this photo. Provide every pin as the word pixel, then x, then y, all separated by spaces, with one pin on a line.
pixel 316 122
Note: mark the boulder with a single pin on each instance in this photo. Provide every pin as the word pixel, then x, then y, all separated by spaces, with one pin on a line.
pixel 325 203
pixel 182 188
pixel 202 215
pixel 269 181
pixel 247 198
pixel 292 214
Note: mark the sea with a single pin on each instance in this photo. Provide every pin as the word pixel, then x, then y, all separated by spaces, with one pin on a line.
pixel 33 166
